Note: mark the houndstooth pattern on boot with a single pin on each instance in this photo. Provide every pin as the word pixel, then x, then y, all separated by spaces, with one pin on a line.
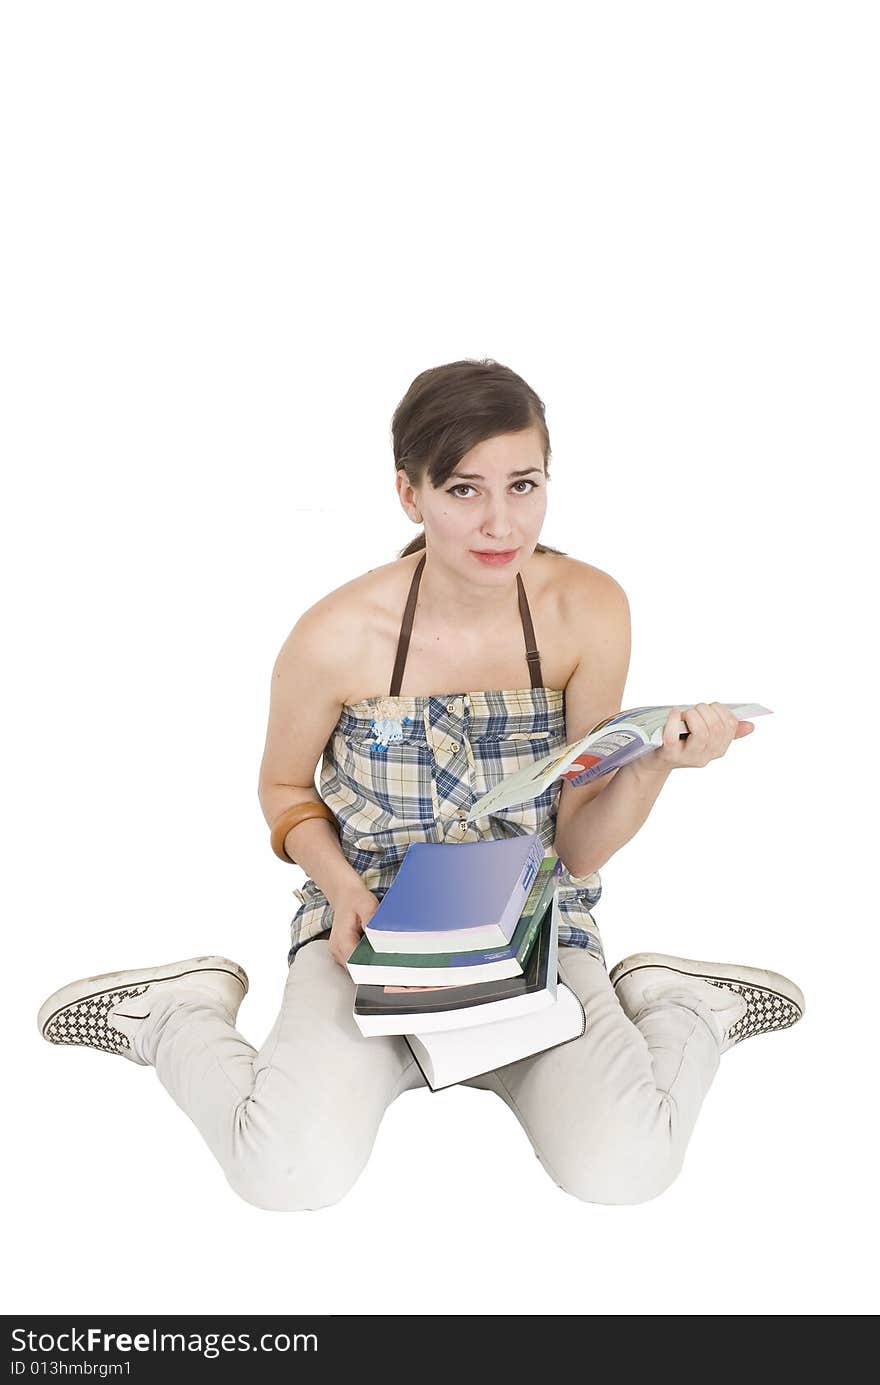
pixel 766 1010
pixel 85 1022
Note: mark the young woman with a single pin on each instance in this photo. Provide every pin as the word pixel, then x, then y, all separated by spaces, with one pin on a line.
pixel 420 683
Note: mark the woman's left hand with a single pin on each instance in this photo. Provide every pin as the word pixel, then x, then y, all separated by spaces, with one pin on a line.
pixel 711 729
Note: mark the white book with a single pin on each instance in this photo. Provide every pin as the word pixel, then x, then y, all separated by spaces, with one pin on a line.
pixel 451 1055
pixel 611 744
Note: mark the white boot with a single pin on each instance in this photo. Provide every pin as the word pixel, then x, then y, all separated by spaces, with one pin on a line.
pixel 106 1011
pixel 739 1001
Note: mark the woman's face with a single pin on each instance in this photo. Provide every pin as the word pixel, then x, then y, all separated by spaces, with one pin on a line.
pixel 484 505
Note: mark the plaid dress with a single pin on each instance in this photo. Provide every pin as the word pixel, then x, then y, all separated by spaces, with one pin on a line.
pixel 400 769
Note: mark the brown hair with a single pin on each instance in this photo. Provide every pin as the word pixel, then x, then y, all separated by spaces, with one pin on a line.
pixel 449 409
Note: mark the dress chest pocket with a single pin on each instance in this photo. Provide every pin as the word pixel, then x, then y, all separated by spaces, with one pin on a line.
pixel 539 737
pixel 521 738
pixel 509 751
pixel 389 762
pixel 384 734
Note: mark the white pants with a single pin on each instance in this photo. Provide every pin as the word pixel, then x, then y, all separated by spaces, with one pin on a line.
pixel 292 1124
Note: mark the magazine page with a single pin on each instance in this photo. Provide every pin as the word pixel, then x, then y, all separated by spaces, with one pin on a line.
pixel 612 743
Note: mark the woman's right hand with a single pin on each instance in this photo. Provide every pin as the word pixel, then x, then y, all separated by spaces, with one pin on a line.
pixel 352 909
pixel 711 729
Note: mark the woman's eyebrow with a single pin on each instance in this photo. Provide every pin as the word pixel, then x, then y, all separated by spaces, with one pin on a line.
pixel 473 476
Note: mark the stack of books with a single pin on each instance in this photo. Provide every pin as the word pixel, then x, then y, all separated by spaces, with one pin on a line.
pixel 461 958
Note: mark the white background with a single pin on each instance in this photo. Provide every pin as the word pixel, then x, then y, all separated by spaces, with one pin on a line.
pixel 233 235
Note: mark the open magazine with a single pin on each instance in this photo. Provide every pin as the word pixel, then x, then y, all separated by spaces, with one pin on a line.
pixel 611 743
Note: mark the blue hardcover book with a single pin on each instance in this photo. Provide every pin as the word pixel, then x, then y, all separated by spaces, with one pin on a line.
pixel 368 967
pixel 450 897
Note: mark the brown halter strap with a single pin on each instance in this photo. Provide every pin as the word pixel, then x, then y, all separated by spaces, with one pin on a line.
pixel 532 655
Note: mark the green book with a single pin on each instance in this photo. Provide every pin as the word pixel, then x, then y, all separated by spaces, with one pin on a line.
pixel 368 967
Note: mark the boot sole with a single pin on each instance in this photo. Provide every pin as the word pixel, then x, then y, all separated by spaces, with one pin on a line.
pixel 756 977
pixel 119 980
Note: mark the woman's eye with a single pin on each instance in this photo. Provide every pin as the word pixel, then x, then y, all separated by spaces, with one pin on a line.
pixel 463 487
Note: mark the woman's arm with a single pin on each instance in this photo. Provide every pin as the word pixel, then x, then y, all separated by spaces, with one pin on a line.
pixel 596 819
pixel 304 706
pixel 601 826
pixel 597 623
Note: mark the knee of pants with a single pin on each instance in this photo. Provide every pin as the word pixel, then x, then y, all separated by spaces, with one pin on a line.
pixel 618 1164
pixel 285 1180
pixel 623 1187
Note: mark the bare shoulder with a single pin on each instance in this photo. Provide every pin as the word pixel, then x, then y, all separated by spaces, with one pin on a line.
pixel 331 634
pixel 588 597
pixel 365 598
pixel 596 625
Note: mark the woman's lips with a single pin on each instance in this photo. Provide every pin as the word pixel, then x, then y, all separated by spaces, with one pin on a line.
pixel 495 559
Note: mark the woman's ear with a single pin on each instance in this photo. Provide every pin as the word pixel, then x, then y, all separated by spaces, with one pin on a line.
pixel 407 496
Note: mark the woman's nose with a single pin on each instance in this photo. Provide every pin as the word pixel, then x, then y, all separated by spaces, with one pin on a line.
pixel 497 521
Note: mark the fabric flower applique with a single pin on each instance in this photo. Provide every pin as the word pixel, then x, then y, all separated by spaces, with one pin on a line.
pixel 385 731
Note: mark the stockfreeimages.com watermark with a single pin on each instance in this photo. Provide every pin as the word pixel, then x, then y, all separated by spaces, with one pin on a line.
pixel 95 1341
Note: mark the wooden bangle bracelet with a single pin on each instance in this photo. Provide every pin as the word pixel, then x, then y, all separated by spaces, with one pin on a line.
pixel 292 817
